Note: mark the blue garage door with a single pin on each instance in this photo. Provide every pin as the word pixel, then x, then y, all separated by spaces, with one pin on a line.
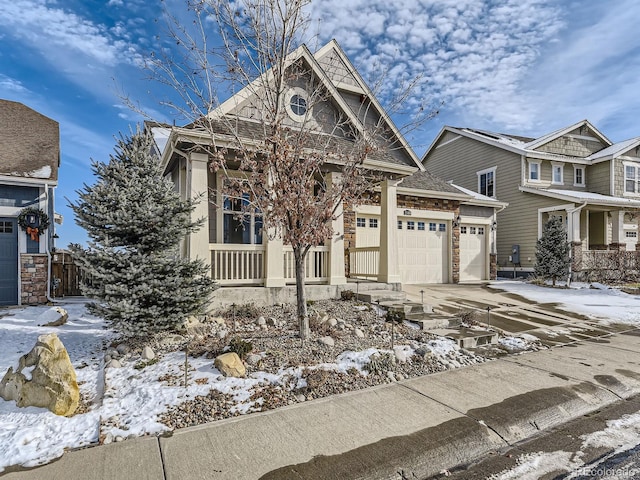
pixel 8 261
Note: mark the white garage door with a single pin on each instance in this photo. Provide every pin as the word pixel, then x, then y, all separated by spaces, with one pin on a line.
pixel 423 251
pixel 473 253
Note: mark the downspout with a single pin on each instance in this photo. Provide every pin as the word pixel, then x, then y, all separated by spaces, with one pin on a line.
pixel 571 212
pixel 47 243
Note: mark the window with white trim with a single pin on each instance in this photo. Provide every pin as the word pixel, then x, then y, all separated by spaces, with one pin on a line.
pixel 480 230
pixel 631 178
pixel 487 182
pixel 578 176
pixel 631 234
pixel 361 222
pixel 399 224
pixel 442 227
pixel 472 230
pixel 557 173
pixel 534 171
pixel 420 225
pixel 411 225
pixel 463 229
pixel 373 223
pixel 241 224
pixel 432 227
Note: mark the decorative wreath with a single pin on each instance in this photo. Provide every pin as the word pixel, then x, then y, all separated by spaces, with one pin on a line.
pixel 34 230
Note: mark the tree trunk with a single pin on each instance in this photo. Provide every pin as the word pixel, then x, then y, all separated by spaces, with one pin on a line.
pixel 303 319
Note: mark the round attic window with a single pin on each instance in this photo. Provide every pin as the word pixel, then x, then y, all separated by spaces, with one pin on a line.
pixel 297 104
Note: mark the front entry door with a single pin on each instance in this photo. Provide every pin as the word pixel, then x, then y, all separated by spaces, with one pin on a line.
pixel 8 261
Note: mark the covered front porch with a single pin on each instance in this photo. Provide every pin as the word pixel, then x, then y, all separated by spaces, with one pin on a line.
pixel 603 233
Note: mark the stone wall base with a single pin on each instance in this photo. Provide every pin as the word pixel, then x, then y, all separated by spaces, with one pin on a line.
pixel 33 274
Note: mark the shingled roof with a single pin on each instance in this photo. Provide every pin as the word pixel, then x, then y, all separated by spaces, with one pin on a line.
pixel 29 142
pixel 424 180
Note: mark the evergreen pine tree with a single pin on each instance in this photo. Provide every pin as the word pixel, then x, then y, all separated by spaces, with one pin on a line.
pixel 552 251
pixel 135 221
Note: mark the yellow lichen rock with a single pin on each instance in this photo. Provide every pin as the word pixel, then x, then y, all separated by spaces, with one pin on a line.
pixel 230 365
pixel 53 383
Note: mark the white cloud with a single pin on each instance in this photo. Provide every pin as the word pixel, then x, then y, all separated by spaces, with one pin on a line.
pixel 10 85
pixel 51 30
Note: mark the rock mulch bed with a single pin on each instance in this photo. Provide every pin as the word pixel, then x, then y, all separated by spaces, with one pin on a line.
pixel 336 327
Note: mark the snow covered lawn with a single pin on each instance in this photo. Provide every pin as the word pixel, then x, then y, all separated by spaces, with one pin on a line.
pixel 606 305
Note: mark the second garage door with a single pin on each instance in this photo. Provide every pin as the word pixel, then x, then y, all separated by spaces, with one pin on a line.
pixel 473 253
pixel 423 251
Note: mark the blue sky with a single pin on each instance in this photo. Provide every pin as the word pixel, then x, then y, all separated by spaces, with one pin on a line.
pixel 516 66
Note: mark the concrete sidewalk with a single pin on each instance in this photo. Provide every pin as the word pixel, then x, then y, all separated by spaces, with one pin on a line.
pixel 416 427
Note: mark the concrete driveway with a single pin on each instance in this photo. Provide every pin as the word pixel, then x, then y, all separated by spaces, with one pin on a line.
pixel 512 314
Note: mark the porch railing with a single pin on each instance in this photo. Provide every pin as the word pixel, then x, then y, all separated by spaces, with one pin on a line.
pixel 611 265
pixel 316 265
pixel 364 262
pixel 233 264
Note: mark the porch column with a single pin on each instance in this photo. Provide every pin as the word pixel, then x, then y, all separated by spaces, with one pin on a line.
pixel 336 242
pixel 273 261
pixel 617 229
pixel 388 266
pixel 198 184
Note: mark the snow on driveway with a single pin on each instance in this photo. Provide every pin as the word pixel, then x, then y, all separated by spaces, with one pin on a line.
pixel 607 305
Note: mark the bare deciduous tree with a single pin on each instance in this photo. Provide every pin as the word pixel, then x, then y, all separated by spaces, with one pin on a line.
pixel 252 52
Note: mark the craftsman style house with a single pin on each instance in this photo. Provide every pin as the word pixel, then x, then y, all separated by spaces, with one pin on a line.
pixel 29 160
pixel 575 172
pixel 413 228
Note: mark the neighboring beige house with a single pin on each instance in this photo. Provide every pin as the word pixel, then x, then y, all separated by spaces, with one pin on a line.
pixel 29 161
pixel 575 172
pixel 406 231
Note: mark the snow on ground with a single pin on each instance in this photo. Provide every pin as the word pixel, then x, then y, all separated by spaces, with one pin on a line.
pixel 620 435
pixel 128 401
pixel 607 305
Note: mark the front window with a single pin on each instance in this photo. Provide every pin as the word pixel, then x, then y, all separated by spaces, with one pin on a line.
pixel 557 174
pixel 578 179
pixel 631 178
pixel 534 171
pixel 411 225
pixel 241 224
pixel 421 226
pixel 298 105
pixel 373 223
pixel 486 182
pixel 361 222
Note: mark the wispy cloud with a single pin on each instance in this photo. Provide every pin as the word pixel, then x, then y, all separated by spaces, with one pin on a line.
pixel 49 28
pixel 11 85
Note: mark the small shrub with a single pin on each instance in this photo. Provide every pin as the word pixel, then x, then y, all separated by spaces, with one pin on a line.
pixel 468 317
pixel 316 326
pixel 347 295
pixel 310 303
pixel 246 310
pixel 535 280
pixel 380 364
pixel 316 379
pixel 397 316
pixel 241 347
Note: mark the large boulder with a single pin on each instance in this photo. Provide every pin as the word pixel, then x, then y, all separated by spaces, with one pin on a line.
pixel 230 365
pixel 53 383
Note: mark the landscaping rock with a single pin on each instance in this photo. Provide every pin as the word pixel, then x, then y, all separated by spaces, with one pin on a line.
pixel 230 365
pixel 358 333
pixel 171 340
pixel 148 353
pixel 53 383
pixel 218 321
pixel 254 359
pixel 114 364
pixel 123 349
pixel 402 353
pixel 53 317
pixel 261 321
pixel 332 322
pixel 328 341
pixel 222 334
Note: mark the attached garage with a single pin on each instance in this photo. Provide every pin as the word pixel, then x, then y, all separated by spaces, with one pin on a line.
pixel 8 261
pixel 473 253
pixel 423 250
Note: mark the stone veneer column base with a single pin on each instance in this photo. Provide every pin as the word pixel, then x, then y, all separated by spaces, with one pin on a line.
pixel 33 271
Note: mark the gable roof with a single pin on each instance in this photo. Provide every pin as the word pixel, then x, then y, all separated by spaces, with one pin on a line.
pixel 303 53
pixel 29 143
pixel 527 146
pixel 424 180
